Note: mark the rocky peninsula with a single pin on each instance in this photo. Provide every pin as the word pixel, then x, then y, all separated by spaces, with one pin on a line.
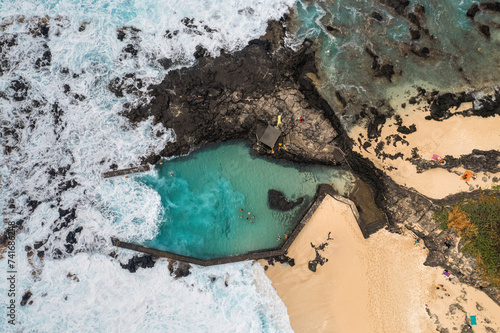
pixel 231 96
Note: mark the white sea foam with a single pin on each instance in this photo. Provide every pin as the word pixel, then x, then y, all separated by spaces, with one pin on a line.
pixel 89 135
pixel 90 292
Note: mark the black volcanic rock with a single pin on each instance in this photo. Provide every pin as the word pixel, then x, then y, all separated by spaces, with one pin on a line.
pixel 20 88
pixel 45 60
pixel 492 6
pixel 146 261
pixel 472 11
pixel 165 63
pixel 341 98
pixel 179 269
pixel 398 5
pixel 282 259
pixel 423 52
pixel 377 16
pixel 485 30
pixel 277 200
pixel 26 297
pixel 380 68
pixel 375 126
pixel 231 96
pixel 414 34
pixel 407 130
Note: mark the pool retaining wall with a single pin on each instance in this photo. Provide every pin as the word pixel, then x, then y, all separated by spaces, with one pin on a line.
pixel 122 172
pixel 322 191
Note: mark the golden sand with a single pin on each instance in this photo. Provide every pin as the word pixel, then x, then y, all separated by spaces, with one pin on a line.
pixel 454 136
pixel 369 285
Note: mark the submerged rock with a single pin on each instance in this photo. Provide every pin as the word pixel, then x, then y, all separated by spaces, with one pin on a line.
pixel 377 16
pixel 485 30
pixel 278 201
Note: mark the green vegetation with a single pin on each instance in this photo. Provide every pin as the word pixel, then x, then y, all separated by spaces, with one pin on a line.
pixel 441 217
pixel 477 221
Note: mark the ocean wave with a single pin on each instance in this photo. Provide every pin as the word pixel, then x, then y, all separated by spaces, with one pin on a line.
pixel 61 129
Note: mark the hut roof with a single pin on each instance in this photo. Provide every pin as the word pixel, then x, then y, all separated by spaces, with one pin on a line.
pixel 270 136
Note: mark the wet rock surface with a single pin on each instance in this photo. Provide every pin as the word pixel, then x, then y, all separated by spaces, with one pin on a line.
pixel 178 269
pixel 277 200
pixel 381 67
pixel 228 97
pixel 441 105
pixel 26 297
pixel 139 261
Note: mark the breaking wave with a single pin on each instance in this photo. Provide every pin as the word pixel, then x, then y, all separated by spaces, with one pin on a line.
pixel 61 129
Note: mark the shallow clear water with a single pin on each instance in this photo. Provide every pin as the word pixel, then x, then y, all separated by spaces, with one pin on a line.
pixel 461 57
pixel 87 136
pixel 203 193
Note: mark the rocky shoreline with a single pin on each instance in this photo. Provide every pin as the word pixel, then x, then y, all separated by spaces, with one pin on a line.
pixel 229 97
pixel 226 98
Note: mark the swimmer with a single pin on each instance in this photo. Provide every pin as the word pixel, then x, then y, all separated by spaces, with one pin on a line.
pixel 241 217
pixel 286 236
pixel 248 213
pixel 251 221
pixel 241 210
pixel 253 216
pixel 248 218
pixel 171 174
pixel 279 238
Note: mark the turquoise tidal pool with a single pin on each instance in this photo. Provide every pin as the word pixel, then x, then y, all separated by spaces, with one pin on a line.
pixel 216 200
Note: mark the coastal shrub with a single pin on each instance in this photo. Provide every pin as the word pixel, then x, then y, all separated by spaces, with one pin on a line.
pixel 477 221
pixel 459 220
pixel 484 214
pixel 440 216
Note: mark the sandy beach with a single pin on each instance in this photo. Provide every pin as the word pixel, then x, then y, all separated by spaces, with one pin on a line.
pixel 454 136
pixel 377 284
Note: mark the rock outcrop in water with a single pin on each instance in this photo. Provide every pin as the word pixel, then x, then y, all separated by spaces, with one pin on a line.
pixel 139 261
pixel 277 200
